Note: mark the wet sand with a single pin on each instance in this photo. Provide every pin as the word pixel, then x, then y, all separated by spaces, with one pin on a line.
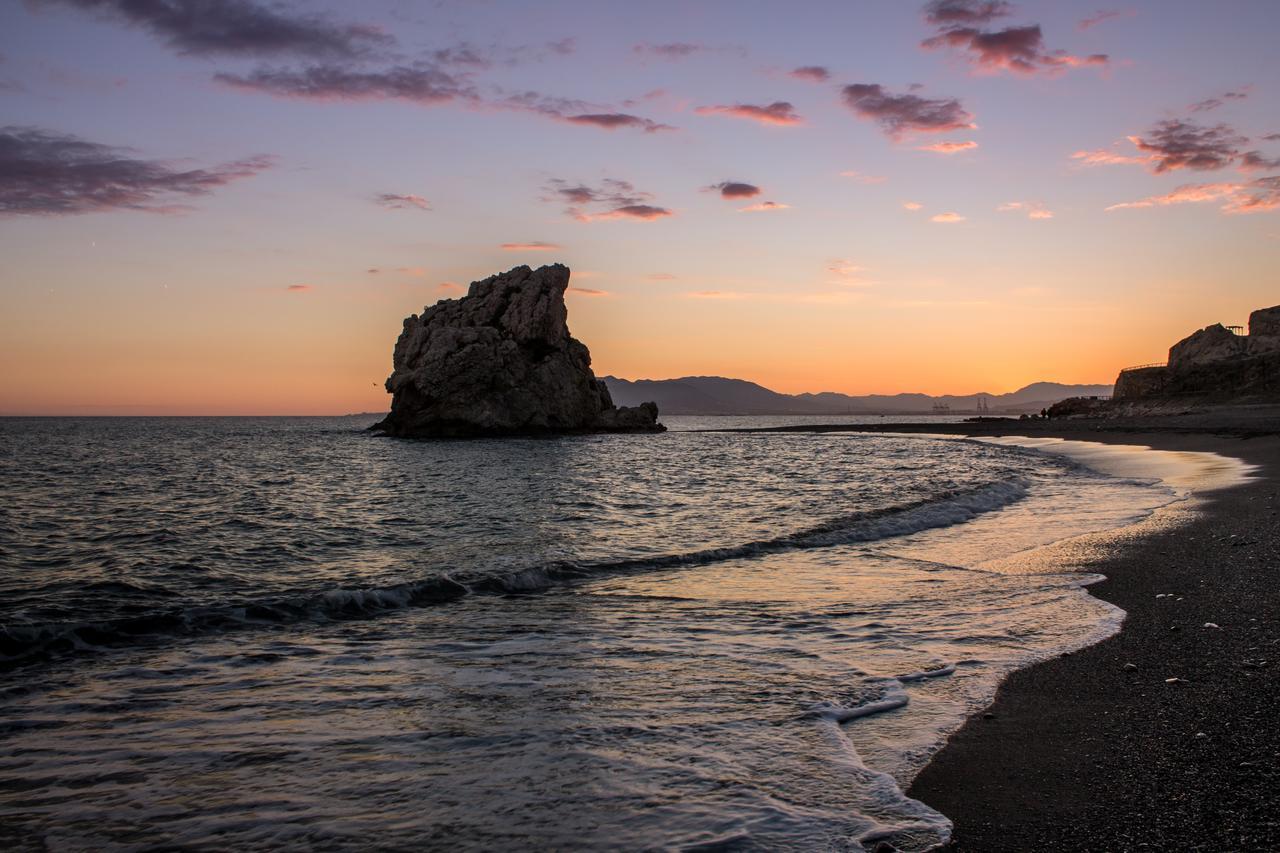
pixel 1165 736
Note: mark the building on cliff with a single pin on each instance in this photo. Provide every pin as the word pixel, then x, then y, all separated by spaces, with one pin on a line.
pixel 1216 361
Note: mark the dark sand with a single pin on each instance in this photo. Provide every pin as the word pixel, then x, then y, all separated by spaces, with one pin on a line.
pixel 1081 752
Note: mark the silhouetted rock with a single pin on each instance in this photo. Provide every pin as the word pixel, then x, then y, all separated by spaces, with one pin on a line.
pixel 1212 343
pixel 500 361
pixel 1264 330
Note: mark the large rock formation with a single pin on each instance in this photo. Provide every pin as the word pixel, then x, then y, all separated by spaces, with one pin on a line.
pixel 1212 343
pixel 1214 364
pixel 500 361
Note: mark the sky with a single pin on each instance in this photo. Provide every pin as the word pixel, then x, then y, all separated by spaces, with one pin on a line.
pixel 230 207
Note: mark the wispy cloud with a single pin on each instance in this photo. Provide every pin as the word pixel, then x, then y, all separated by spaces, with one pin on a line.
pixel 847 274
pixel 395 201
pixel 416 272
pixel 670 50
pixel 1033 209
pixel 899 114
pixel 764 207
pixel 1102 15
pixel 1103 157
pixel 660 276
pixel 861 178
pixel 238 28
pixel 613 121
pixel 533 246
pixel 578 112
pixel 777 113
pixel 1218 100
pixel 298 288
pixel 948 147
pixel 946 218
pixel 587 291
pixel 1256 196
pixel 735 189
pixel 912 206
pixel 449 287
pixel 1254 161
pixel 43 173
pixel 611 199
pixel 812 73
pixel 421 84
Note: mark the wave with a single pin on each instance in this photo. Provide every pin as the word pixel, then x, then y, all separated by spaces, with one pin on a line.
pixel 21 644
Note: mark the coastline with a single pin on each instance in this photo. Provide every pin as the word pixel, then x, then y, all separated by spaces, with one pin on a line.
pixel 1080 752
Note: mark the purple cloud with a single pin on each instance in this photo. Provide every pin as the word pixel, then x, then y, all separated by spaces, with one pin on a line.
pixel 813 73
pixel 237 28
pixel 402 202
pixel 1176 144
pixel 49 174
pixel 959 12
pixel 674 50
pixel 1213 103
pixel 420 84
pixel 898 114
pixel 612 199
pixel 1018 49
pixel 735 189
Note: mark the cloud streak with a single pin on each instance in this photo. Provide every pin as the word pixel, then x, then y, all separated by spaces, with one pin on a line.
pixel 953 12
pixel 900 114
pixel 237 28
pixel 780 113
pixel 764 207
pixel 534 246
pixel 1257 196
pixel 43 173
pixel 395 201
pixel 1017 49
pixel 948 147
pixel 947 218
pixel 421 84
pixel 1033 209
pixel 1217 101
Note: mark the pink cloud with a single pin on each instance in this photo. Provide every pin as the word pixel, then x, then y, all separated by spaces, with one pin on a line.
pixel 416 272
pixel 298 288
pixel 1033 209
pixel 777 113
pixel 535 246
pixel 449 287
pixel 613 121
pixel 946 218
pixel 1252 197
pixel 763 207
pixel 1103 157
pixel 1176 144
pixel 587 291
pixel 912 205
pixel 948 147
pixel 863 179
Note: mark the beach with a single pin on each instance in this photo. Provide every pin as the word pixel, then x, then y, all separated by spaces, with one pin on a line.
pixel 1163 736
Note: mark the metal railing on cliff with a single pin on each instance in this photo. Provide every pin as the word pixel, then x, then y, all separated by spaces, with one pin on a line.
pixel 1144 366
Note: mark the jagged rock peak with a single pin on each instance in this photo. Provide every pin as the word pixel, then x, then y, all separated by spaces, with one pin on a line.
pixel 501 361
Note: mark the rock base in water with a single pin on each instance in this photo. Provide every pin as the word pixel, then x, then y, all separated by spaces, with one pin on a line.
pixel 500 361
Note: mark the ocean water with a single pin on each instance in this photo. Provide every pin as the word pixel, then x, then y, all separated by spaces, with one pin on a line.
pixel 244 632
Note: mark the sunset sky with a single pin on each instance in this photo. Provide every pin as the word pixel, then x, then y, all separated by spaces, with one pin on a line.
pixel 228 208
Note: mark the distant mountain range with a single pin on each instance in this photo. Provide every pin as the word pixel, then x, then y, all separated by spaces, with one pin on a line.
pixel 716 395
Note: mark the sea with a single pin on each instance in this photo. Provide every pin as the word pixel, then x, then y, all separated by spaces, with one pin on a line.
pixel 274 633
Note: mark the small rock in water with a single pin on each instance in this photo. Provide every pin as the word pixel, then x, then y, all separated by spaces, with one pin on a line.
pixel 1131 667
pixel 1175 681
pixel 1201 734
pixel 1212 625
